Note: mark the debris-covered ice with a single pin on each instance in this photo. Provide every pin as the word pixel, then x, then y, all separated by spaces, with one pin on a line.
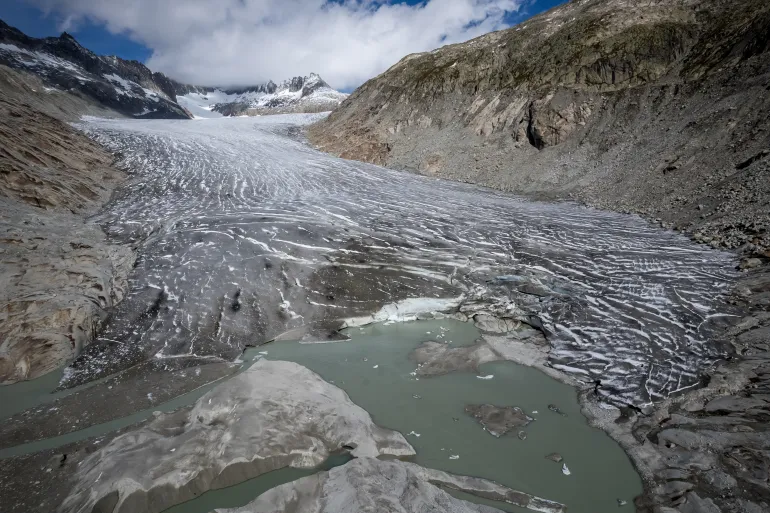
pixel 232 218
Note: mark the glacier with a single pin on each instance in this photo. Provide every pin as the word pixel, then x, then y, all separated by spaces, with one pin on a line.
pixel 245 232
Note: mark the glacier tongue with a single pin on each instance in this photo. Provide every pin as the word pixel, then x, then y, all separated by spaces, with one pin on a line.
pixel 245 232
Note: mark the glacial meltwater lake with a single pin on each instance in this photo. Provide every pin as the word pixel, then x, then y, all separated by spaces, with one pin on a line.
pixel 374 368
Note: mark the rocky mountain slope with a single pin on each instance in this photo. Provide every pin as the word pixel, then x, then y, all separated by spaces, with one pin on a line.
pixel 127 87
pixel 59 274
pixel 299 94
pixel 658 107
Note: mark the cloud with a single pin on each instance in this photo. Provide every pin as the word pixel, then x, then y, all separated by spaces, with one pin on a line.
pixel 241 42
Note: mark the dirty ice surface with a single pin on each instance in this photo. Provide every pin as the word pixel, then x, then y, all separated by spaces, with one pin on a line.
pixel 245 231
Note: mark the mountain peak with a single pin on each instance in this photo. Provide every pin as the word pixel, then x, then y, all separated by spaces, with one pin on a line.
pixel 69 40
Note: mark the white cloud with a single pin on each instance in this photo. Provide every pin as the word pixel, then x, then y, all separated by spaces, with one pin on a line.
pixel 239 42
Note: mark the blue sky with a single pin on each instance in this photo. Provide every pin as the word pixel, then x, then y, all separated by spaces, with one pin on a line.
pixel 206 49
pixel 33 22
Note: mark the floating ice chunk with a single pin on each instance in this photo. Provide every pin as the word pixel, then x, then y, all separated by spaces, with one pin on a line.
pixel 534 412
pixel 454 457
pixel 263 352
pixel 565 470
pixel 413 434
pixel 375 367
pixel 488 376
pixel 408 309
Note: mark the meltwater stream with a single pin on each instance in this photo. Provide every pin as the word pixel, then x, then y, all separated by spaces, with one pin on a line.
pixel 244 231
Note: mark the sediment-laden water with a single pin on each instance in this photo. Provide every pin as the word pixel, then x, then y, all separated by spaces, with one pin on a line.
pixel 375 370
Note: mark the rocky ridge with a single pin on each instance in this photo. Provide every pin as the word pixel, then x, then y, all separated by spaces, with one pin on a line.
pixel 658 108
pixel 126 87
pixel 129 88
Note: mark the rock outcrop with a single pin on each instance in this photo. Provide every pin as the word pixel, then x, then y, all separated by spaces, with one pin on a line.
pixel 658 107
pixel 367 484
pixel 274 415
pixel 59 274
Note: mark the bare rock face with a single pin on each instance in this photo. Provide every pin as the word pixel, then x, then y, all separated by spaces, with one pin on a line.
pixel 650 107
pixel 59 274
pixel 127 87
pixel 368 484
pixel 498 420
pixel 274 415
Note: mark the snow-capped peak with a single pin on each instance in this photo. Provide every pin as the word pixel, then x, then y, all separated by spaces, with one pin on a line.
pixel 298 94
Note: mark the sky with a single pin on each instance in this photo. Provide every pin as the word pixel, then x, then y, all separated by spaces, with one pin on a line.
pixel 244 42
